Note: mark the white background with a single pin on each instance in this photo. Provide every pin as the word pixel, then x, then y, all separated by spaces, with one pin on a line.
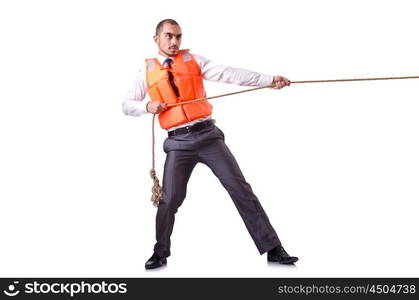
pixel 334 165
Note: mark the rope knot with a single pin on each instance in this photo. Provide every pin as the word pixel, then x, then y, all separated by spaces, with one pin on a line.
pixel 156 190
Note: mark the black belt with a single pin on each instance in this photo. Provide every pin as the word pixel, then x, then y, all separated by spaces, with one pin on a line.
pixel 195 127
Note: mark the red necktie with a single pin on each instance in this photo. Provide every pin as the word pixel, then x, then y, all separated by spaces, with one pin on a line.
pixel 169 62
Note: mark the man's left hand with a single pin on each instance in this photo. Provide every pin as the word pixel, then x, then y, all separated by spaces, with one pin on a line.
pixel 279 82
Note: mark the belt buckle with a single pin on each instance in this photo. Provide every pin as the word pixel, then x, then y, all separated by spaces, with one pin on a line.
pixel 188 129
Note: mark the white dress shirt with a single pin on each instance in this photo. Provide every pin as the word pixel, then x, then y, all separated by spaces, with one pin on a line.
pixel 134 105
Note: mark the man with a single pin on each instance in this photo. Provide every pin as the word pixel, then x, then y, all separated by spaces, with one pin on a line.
pixel 176 76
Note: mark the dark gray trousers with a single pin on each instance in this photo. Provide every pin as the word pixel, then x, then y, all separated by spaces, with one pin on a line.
pixel 207 146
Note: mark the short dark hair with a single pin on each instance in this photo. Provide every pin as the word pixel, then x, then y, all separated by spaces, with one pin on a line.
pixel 162 22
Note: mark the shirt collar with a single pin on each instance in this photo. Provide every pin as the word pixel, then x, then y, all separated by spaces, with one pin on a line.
pixel 162 58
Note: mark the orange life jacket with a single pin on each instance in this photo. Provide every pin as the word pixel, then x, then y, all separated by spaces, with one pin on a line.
pixel 188 79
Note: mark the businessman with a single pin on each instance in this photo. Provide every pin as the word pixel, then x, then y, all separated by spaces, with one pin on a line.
pixel 176 75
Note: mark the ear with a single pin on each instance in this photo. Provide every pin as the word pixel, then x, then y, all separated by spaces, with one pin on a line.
pixel 156 39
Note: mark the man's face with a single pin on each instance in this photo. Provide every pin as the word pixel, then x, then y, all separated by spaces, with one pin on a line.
pixel 169 39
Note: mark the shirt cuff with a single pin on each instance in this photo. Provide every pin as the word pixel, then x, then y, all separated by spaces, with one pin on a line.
pixel 265 80
pixel 143 106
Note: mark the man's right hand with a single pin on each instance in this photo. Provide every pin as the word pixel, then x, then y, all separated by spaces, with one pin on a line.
pixel 155 107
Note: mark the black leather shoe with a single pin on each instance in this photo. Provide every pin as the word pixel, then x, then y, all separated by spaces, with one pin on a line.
pixel 155 261
pixel 278 254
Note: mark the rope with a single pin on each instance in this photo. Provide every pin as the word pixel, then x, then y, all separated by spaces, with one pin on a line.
pixel 157 190
pixel 356 79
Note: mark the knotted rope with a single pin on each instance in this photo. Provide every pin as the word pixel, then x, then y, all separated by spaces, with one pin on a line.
pixel 157 190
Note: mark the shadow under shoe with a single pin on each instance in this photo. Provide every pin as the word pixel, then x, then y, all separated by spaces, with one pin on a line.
pixel 155 261
pixel 278 254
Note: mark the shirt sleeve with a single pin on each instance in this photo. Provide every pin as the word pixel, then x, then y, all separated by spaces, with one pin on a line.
pixel 133 103
pixel 215 72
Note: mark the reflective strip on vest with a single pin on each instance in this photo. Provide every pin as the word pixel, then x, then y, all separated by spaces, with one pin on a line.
pixel 186 56
pixel 151 65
